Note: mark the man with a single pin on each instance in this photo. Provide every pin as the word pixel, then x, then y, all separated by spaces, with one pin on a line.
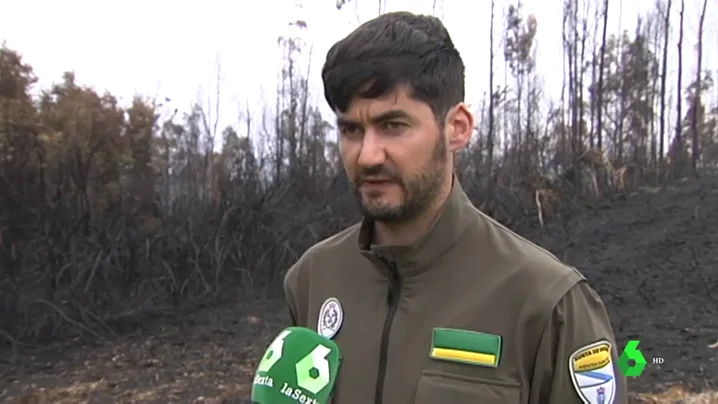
pixel 430 300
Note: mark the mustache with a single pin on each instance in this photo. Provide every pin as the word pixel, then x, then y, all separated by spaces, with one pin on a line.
pixel 377 171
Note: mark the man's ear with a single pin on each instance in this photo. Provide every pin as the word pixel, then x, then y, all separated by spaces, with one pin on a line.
pixel 460 126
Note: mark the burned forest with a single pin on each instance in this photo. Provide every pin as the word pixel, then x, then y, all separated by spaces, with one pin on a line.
pixel 142 247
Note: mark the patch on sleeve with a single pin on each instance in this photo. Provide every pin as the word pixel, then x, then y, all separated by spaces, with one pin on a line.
pixel 592 374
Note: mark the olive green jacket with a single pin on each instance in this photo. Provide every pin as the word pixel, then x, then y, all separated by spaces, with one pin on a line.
pixel 472 313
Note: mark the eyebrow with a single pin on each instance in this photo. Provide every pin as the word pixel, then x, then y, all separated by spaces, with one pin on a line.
pixel 386 116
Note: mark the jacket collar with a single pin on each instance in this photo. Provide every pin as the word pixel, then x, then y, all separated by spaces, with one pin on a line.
pixel 446 231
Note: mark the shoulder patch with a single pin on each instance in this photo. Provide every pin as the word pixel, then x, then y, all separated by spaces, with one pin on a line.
pixel 331 317
pixel 592 374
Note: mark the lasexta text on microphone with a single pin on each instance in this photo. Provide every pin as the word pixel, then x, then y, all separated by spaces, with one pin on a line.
pixel 300 366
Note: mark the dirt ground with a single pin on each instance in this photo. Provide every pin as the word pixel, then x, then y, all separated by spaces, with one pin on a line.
pixel 653 258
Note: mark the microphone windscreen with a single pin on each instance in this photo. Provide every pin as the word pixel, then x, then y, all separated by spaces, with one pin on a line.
pixel 299 366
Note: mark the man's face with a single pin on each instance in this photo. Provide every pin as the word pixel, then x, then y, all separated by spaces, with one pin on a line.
pixel 394 153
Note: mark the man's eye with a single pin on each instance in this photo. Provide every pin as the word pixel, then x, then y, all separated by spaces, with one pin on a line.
pixel 393 125
pixel 348 130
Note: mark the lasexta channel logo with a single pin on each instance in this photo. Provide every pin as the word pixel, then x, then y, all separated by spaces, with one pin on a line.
pixel 632 362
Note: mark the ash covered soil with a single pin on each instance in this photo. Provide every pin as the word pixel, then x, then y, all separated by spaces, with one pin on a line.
pixel 653 258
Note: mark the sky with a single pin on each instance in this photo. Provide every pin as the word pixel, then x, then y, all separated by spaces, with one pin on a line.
pixel 172 49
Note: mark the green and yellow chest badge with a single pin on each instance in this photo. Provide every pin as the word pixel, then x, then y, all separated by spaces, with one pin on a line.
pixel 469 347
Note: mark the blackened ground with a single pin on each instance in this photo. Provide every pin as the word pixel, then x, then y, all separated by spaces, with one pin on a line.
pixel 652 257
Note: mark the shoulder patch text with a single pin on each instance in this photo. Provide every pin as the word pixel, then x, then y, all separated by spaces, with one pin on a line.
pixel 592 374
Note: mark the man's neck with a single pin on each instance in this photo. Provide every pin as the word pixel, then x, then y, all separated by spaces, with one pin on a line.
pixel 407 233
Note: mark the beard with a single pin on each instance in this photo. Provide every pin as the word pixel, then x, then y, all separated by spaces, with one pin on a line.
pixel 417 191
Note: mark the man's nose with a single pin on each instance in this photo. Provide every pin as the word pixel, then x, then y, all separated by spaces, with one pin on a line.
pixel 372 150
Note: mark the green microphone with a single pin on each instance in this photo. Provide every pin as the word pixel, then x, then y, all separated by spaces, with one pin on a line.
pixel 300 366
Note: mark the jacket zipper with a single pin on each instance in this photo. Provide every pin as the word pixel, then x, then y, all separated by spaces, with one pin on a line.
pixel 393 301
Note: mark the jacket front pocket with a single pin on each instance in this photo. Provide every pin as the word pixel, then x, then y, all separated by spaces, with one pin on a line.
pixel 442 388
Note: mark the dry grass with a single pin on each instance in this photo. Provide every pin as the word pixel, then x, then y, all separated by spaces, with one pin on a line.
pixel 677 395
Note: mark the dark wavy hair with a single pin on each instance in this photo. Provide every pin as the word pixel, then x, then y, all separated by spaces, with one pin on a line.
pixel 395 49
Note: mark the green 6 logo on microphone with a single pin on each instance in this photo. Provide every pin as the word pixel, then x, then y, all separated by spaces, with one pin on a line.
pixel 298 365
